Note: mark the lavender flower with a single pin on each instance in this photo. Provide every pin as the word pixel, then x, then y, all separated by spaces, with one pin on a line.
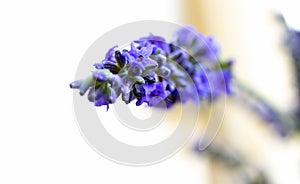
pixel 198 45
pixel 152 94
pixel 159 73
pixel 136 68
pixel 101 75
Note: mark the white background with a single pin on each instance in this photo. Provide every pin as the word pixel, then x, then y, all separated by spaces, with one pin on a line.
pixel 41 44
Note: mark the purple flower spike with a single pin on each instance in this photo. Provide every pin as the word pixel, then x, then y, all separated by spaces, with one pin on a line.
pixel 159 73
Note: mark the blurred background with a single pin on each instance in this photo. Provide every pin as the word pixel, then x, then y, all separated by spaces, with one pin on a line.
pixel 42 43
pixel 248 149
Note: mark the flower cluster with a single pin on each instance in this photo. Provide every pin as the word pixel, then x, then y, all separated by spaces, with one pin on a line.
pixel 159 73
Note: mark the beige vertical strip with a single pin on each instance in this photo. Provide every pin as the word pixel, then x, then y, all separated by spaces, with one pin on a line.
pixel 194 14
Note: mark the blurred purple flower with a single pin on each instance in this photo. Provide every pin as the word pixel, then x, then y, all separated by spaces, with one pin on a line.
pixel 198 45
